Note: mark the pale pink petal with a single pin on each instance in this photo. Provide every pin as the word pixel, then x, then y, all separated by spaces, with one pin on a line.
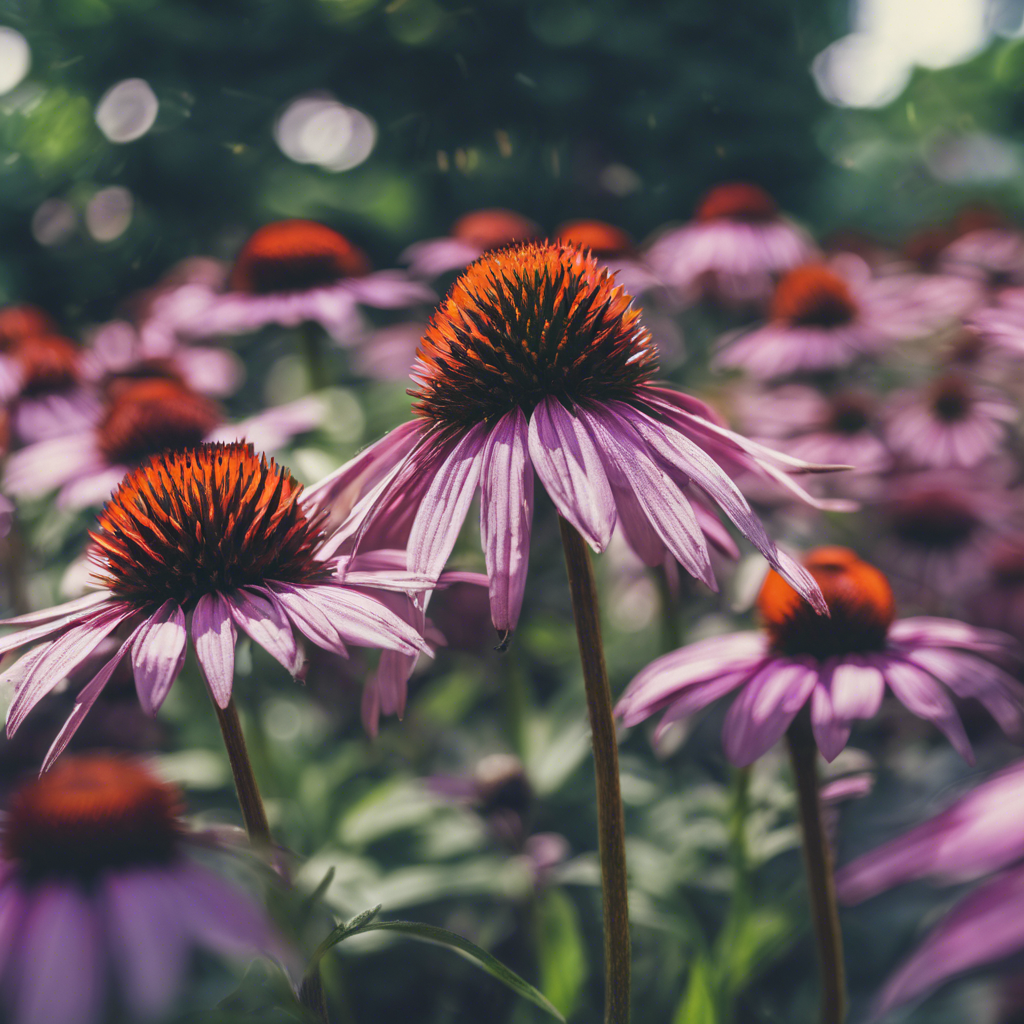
pixel 61 657
pixel 364 620
pixel 921 695
pixel 307 616
pixel 264 622
pixel 391 681
pixel 765 708
pixel 830 732
pixel 702 695
pixel 570 468
pixel 158 655
pixel 443 509
pixel 985 926
pixel 214 636
pixel 659 496
pixel 273 428
pixel 145 938
pixel 506 516
pixel 928 631
pixel 44 466
pixel 66 613
pixel 60 974
pixel 857 689
pixel 370 707
pixel 84 701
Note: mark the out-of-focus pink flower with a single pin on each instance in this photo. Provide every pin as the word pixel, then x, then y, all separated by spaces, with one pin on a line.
pixel 998 600
pixel 537 363
pixel 204 542
pixel 953 422
pixel 142 418
pixel 938 528
pixel 733 248
pixel 981 833
pixel 470 237
pixel 823 317
pixel 614 249
pixel 839 428
pixel 992 256
pixel 117 350
pixel 99 892
pixel 839 666
pixel 289 272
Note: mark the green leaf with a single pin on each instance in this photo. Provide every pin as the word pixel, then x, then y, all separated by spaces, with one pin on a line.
pixel 698 1004
pixel 563 959
pixel 443 937
pixel 343 931
pixel 761 937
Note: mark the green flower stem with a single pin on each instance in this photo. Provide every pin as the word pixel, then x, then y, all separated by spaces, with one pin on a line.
pixel 803 752
pixel 611 830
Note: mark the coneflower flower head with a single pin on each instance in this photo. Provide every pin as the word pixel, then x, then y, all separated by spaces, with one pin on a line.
pixel 97 887
pixel 839 666
pixel 538 361
pixel 208 540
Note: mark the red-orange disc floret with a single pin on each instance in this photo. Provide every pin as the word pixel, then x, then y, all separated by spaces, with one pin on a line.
pixel 494 228
pixel 859 600
pixel 145 417
pixel 600 238
pixel 89 814
pixel 208 519
pixel 295 255
pixel 23 321
pixel 813 296
pixel 528 323
pixel 737 200
pixel 48 362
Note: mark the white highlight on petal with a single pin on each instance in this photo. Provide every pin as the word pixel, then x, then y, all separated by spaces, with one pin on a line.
pixel 319 130
pixel 127 111
pixel 15 58
pixel 109 213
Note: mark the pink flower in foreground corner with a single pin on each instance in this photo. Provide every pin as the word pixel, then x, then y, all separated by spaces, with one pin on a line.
pixel 217 537
pixel 537 362
pixel 839 665
pixel 97 888
pixel 980 834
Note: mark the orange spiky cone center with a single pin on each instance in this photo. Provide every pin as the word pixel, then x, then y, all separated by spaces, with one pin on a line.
pixel 813 296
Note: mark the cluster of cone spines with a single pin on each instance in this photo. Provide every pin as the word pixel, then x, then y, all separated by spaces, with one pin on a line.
pixel 525 324
pixel 212 518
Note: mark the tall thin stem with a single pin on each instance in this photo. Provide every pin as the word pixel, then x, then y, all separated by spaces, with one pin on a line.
pixel 611 830
pixel 254 814
pixel 821 885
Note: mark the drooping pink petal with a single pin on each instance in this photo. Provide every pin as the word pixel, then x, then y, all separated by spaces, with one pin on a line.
pixel 765 708
pixel 307 616
pixel 66 613
pixel 363 619
pixel 831 733
pixel 62 657
pixel 570 468
pixel 370 707
pixel 85 699
pixel 857 688
pixel 921 695
pixel 266 624
pixel 391 680
pixel 60 974
pixel 701 695
pixel 506 516
pixel 658 495
pixel 214 636
pixel 145 938
pixel 444 507
pixel 158 655
pixel 985 926
pixel 665 677
pixel 928 631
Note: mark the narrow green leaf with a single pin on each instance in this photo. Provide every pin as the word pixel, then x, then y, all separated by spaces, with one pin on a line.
pixel 698 1004
pixel 317 894
pixel 483 959
pixel 561 952
pixel 343 931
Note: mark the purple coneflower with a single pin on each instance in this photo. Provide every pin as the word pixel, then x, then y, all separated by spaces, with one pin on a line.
pixel 824 317
pixel 289 272
pixel 732 249
pixel 981 833
pixel 838 666
pixel 537 362
pixel 991 256
pixel 202 542
pixel 472 235
pixel 951 423
pixel 98 892
pixel 142 418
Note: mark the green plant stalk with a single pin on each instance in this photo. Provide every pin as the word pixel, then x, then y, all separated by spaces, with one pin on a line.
pixel 254 815
pixel 803 752
pixel 739 905
pixel 611 830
